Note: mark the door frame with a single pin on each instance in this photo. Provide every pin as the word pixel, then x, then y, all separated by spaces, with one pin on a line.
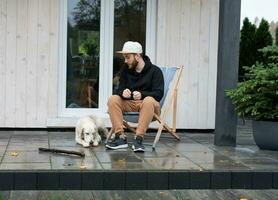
pixel 105 57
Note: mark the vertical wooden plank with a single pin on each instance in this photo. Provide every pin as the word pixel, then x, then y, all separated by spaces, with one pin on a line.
pixel 11 55
pixel 184 46
pixel 3 28
pixel 174 31
pixel 32 57
pixel 194 56
pixel 213 43
pixel 173 36
pixel 43 62
pixel 168 37
pixel 173 24
pixel 21 63
pixel 203 69
pixel 53 59
pixel 161 48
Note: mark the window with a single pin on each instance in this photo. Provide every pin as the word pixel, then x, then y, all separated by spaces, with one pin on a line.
pixel 83 43
pixel 129 25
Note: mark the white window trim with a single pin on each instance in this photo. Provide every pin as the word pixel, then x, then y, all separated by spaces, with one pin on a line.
pixel 106 56
pixel 106 59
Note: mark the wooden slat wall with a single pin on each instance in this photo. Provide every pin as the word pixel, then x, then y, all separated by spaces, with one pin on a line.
pixel 3 38
pixel 53 59
pixel 31 106
pixel 21 63
pixel 29 59
pixel 212 74
pixel 10 75
pixel 187 33
pixel 43 61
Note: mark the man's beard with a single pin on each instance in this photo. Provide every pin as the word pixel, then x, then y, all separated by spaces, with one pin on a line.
pixel 133 65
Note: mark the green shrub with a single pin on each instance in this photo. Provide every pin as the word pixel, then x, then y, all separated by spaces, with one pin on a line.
pixel 257 97
pixel 270 54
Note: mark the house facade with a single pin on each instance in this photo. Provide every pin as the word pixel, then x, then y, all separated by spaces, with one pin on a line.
pixel 58 60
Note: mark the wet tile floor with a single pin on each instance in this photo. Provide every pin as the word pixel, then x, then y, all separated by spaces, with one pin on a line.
pixel 195 151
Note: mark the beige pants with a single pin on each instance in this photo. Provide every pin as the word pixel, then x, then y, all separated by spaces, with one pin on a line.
pixel 147 107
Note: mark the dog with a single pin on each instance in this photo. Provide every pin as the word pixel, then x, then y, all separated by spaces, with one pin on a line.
pixel 88 131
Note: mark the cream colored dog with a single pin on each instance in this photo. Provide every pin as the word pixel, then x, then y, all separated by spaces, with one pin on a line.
pixel 88 130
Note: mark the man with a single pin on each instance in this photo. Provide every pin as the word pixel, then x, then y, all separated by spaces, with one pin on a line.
pixel 140 89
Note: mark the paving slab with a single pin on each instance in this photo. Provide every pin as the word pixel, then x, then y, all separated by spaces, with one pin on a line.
pixel 25 157
pixel 194 151
pixel 25 166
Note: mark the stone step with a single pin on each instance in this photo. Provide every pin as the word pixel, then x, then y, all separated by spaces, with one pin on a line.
pixel 136 180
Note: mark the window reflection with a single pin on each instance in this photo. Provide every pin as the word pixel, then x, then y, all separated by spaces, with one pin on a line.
pixel 129 24
pixel 83 53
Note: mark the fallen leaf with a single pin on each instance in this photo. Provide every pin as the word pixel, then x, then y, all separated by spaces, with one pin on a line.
pixel 162 193
pixel 14 154
pixel 82 167
pixel 120 163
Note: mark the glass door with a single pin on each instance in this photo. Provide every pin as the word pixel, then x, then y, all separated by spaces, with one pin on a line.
pixel 90 33
pixel 129 25
pixel 83 44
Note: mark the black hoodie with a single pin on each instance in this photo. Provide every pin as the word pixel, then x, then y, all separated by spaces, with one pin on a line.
pixel 149 81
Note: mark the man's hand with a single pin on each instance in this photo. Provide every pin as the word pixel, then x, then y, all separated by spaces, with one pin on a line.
pixel 137 95
pixel 127 93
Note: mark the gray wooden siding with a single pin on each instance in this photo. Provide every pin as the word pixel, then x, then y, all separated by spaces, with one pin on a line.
pixel 187 33
pixel 28 62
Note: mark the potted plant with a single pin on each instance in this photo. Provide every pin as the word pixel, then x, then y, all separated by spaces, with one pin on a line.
pixel 257 98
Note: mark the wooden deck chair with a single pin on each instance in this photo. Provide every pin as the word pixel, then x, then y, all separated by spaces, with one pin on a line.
pixel 171 79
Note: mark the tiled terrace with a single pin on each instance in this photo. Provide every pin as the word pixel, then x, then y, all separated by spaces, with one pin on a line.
pixel 194 162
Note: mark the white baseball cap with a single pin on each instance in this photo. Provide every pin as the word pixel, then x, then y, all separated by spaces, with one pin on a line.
pixel 131 47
